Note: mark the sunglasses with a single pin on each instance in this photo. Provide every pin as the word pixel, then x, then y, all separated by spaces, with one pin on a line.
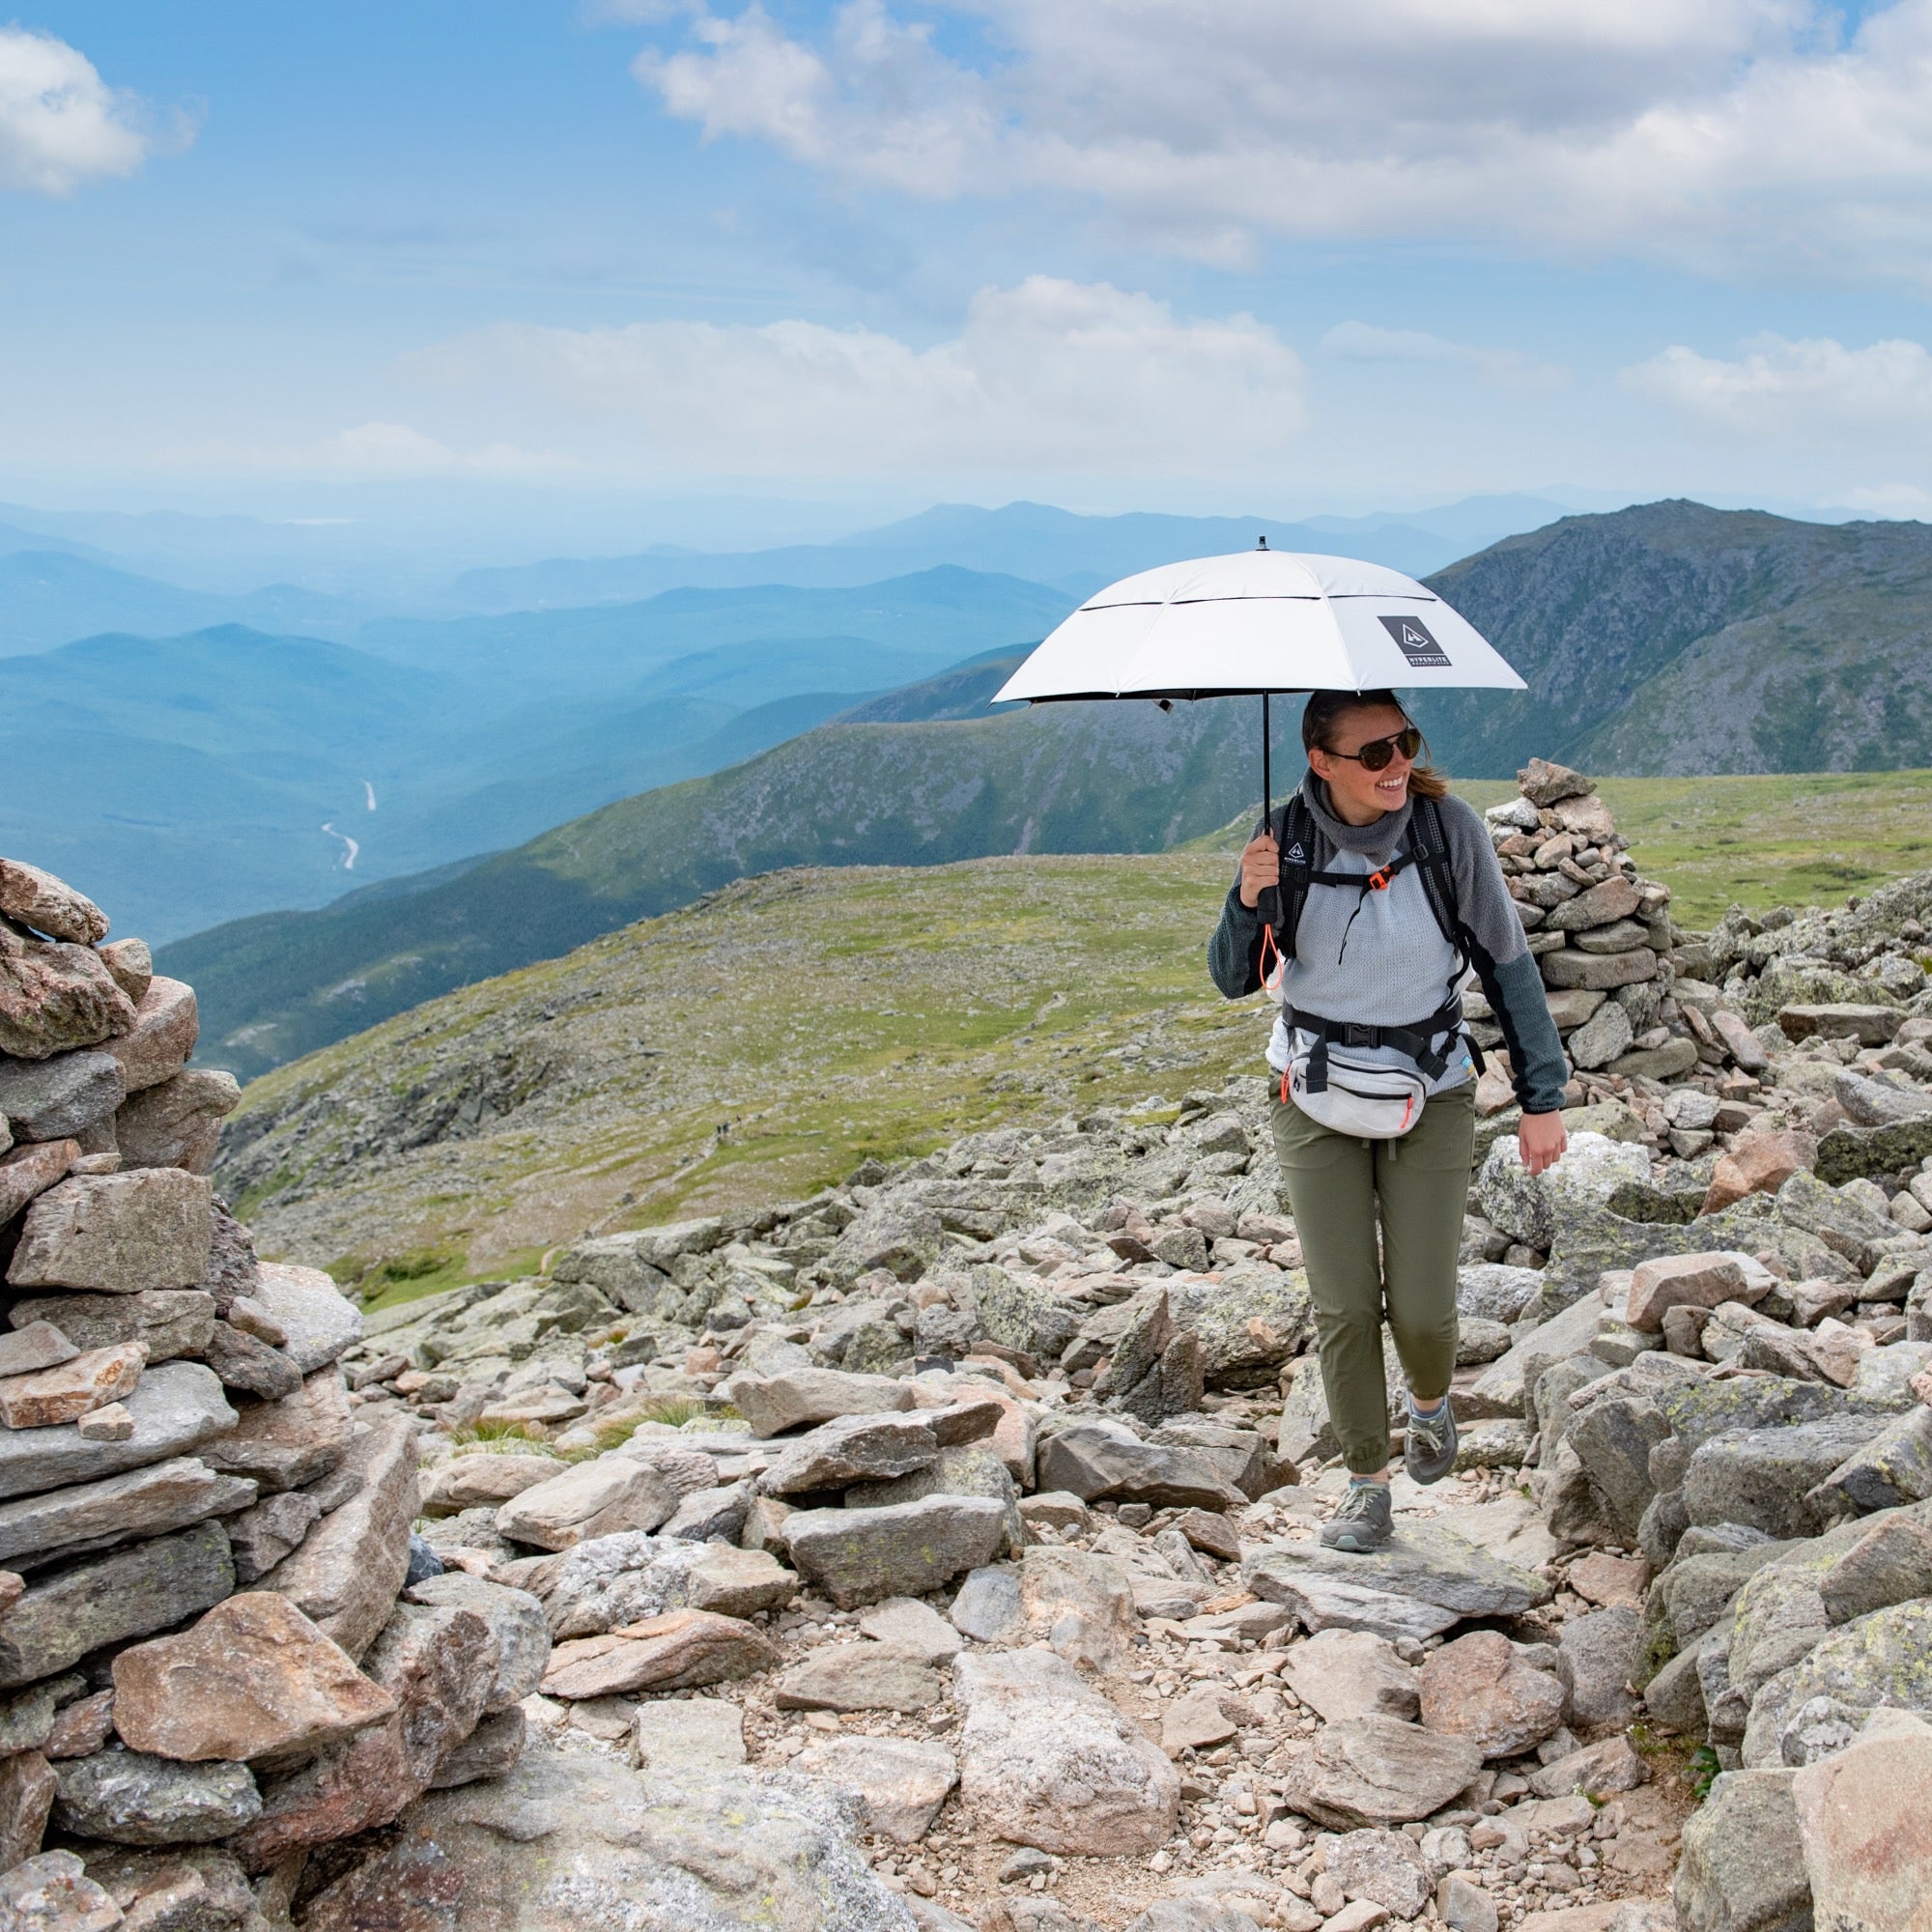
pixel 1377 752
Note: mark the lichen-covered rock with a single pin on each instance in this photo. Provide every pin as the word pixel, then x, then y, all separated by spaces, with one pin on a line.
pixel 1044 1761
pixel 129 1797
pixel 567 1842
pixel 1742 1865
pixel 55 997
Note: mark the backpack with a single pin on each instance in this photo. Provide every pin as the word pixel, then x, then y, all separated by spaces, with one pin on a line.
pixel 1368 1099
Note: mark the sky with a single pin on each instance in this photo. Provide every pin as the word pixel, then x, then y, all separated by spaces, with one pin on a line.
pixel 800 261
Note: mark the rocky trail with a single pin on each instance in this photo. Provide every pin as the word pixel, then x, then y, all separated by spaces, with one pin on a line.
pixel 939 1550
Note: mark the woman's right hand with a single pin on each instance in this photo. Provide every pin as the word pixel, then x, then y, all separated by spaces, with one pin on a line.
pixel 1261 868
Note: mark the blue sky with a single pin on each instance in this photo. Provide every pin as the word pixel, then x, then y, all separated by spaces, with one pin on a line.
pixel 1254 254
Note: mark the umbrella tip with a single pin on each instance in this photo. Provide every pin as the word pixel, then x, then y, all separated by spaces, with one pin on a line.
pixel 1261 543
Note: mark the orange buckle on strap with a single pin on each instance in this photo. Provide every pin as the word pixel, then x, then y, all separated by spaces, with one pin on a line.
pixel 1379 879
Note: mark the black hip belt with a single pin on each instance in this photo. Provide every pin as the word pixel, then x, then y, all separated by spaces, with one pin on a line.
pixel 1417 1041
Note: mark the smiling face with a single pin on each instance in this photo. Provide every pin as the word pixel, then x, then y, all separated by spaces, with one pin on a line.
pixel 1359 795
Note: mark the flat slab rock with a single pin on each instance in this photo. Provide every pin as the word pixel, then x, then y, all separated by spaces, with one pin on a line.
pixel 902 1550
pixel 1421 1562
pixel 684 1650
pixel 564 1842
pixel 117 1233
pixel 254 1681
pixel 1378 1772
pixel 144 1502
pixel 1045 1761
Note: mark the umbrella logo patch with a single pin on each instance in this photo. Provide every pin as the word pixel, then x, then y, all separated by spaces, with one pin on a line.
pixel 1413 640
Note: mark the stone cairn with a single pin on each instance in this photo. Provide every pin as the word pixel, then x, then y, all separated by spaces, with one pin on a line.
pixel 205 1674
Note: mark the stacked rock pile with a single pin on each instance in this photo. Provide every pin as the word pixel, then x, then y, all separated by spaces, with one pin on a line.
pixel 979 1494
pixel 1623 987
pixel 205 1672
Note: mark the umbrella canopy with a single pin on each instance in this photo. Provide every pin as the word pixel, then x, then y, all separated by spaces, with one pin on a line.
pixel 1258 621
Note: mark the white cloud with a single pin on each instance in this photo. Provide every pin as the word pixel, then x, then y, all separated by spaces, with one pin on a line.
pixel 61 124
pixel 1502 369
pixel 1777 387
pixel 1074 377
pixel 1720 133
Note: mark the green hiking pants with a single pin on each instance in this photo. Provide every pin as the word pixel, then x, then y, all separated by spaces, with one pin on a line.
pixel 1420 1183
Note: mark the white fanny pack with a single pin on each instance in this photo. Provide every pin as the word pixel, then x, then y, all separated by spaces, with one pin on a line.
pixel 1364 1098
pixel 1347 1091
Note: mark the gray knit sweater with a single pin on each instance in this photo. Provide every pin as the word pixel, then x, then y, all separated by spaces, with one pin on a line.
pixel 1380 957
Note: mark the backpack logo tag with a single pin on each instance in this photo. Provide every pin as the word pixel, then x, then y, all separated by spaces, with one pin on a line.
pixel 1412 639
pixel 1295 855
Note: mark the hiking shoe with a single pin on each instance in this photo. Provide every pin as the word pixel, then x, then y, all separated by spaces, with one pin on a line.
pixel 1430 1451
pixel 1362 1521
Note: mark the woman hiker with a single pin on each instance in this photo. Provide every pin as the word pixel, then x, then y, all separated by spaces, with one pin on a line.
pixel 1388 888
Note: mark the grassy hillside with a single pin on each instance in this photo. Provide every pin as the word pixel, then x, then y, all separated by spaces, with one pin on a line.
pixel 755 1045
pixel 1120 777
pixel 758 1044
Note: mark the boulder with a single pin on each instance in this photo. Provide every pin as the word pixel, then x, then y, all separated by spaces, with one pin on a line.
pixel 152 1501
pixel 858 1556
pixel 117 1233
pixel 1082 1603
pixel 437 1664
pixel 61 1099
pixel 1423 1562
pixel 1599 1654
pixel 1865 1825
pixel 249 1365
pixel 1869 1025
pixel 1343 1674
pixel 914 1627
pixel 1103 1460
pixel 897 1784
pixel 262 1536
pixel 1759 1163
pixel 106 1600
pixel 28 1787
pixel 683 1650
pixel 176 1408
pixel 852 1449
pixel 516 1623
pixel 1387 1868
pixel 167 1321
pixel 1596 1772
pixel 55 997
pixel 1490 1291
pixel 1532 1209
pixel 31 1170
pixel 1764 1477
pixel 254 1681
pixel 1479 1688
pixel 566 1841
pixel 588 1500
pixel 49 905
pixel 775 1404
pixel 286 1444
pixel 52 1892
pixel 1693 1281
pixel 483 1480
pixel 1046 1762
pixel 1742 1864
pixel 347 1573
pixel 166 1028
pixel 129 1798
pixel 1248 1324
pixel 319 1322
pixel 178 1123
pixel 1375 1772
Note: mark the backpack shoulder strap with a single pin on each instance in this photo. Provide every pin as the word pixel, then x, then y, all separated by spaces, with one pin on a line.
pixel 1428 839
pixel 1298 857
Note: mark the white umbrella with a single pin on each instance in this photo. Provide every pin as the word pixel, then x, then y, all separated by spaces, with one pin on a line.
pixel 1258 621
